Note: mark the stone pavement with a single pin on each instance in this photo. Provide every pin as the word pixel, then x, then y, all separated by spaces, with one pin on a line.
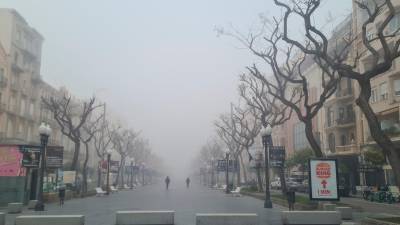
pixel 186 203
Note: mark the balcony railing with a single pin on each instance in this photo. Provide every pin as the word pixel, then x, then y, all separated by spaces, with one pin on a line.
pixel 346 149
pixel 344 93
pixel 348 120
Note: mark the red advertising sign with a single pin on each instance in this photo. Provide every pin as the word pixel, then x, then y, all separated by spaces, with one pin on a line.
pixel 323 179
pixel 10 162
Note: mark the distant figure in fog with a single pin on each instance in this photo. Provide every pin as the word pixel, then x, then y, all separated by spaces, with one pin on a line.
pixel 187 182
pixel 61 195
pixel 167 180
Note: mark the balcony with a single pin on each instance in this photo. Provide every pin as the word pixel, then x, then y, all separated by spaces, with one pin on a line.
pixel 347 150
pixel 344 122
pixel 341 95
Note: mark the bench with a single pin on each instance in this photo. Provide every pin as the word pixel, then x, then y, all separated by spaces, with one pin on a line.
pixel 236 192
pixel 100 192
pixel 311 218
pixel 113 189
pixel 50 220
pixel 145 217
pixel 14 207
pixel 345 212
pixel 32 204
pixel 329 207
pixel 226 219
pixel 2 218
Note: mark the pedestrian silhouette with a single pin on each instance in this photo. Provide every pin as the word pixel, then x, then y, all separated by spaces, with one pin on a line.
pixel 61 195
pixel 167 181
pixel 187 182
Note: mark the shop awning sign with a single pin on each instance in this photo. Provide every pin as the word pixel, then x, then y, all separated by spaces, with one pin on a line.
pixel 323 175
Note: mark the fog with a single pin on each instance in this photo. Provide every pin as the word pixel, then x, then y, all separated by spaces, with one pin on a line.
pixel 158 65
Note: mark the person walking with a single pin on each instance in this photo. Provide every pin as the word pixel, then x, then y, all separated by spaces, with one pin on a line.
pixel 167 181
pixel 187 182
pixel 61 195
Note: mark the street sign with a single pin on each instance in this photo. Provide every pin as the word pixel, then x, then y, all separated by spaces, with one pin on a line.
pixel 277 156
pixel 54 156
pixel 232 167
pixel 365 168
pixel 323 179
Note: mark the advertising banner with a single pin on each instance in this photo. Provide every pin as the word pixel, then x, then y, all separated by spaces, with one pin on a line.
pixel 10 162
pixel 54 156
pixel 232 167
pixel 69 177
pixel 277 156
pixel 323 179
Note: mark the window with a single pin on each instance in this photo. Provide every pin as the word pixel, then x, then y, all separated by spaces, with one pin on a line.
pixel 396 87
pixel 383 92
pixel 374 95
pixel 394 24
pixel 331 142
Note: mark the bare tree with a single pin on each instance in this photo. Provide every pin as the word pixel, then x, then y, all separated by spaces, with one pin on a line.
pixel 91 128
pixel 71 117
pixel 123 142
pixel 102 140
pixel 380 51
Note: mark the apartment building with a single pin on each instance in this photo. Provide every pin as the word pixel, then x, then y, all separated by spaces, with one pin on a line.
pixel 19 92
pixel 385 96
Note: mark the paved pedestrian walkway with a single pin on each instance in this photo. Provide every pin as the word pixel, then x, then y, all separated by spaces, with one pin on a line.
pixel 186 203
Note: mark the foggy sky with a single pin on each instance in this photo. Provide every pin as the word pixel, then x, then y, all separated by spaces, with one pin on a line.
pixel 159 65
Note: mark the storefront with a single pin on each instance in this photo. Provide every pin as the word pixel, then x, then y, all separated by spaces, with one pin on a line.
pixel 19 173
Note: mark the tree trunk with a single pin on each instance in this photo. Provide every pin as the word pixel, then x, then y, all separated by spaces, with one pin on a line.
pixel 84 171
pixel 389 149
pixel 99 168
pixel 74 164
pixel 259 179
pixel 244 169
pixel 311 138
pixel 281 172
pixel 237 172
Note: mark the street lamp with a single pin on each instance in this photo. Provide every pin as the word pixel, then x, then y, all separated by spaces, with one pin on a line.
pixel 109 151
pixel 132 160
pixel 267 142
pixel 44 131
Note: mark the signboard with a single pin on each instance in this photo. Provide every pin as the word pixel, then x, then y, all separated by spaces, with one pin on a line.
pixel 54 157
pixel 114 165
pixel 277 156
pixel 233 165
pixel 323 179
pixel 10 162
pixel 365 168
pixel 69 177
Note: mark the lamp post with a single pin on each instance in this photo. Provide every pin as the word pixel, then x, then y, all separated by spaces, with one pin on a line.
pixel 267 142
pixel 132 159
pixel 44 131
pixel 227 172
pixel 109 151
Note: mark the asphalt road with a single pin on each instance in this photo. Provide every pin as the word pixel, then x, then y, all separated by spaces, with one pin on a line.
pixel 186 203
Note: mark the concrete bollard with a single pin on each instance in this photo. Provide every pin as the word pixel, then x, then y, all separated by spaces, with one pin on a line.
pixel 226 219
pixel 32 204
pixel 345 212
pixel 2 218
pixel 311 217
pixel 329 207
pixel 14 207
pixel 145 217
pixel 50 220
